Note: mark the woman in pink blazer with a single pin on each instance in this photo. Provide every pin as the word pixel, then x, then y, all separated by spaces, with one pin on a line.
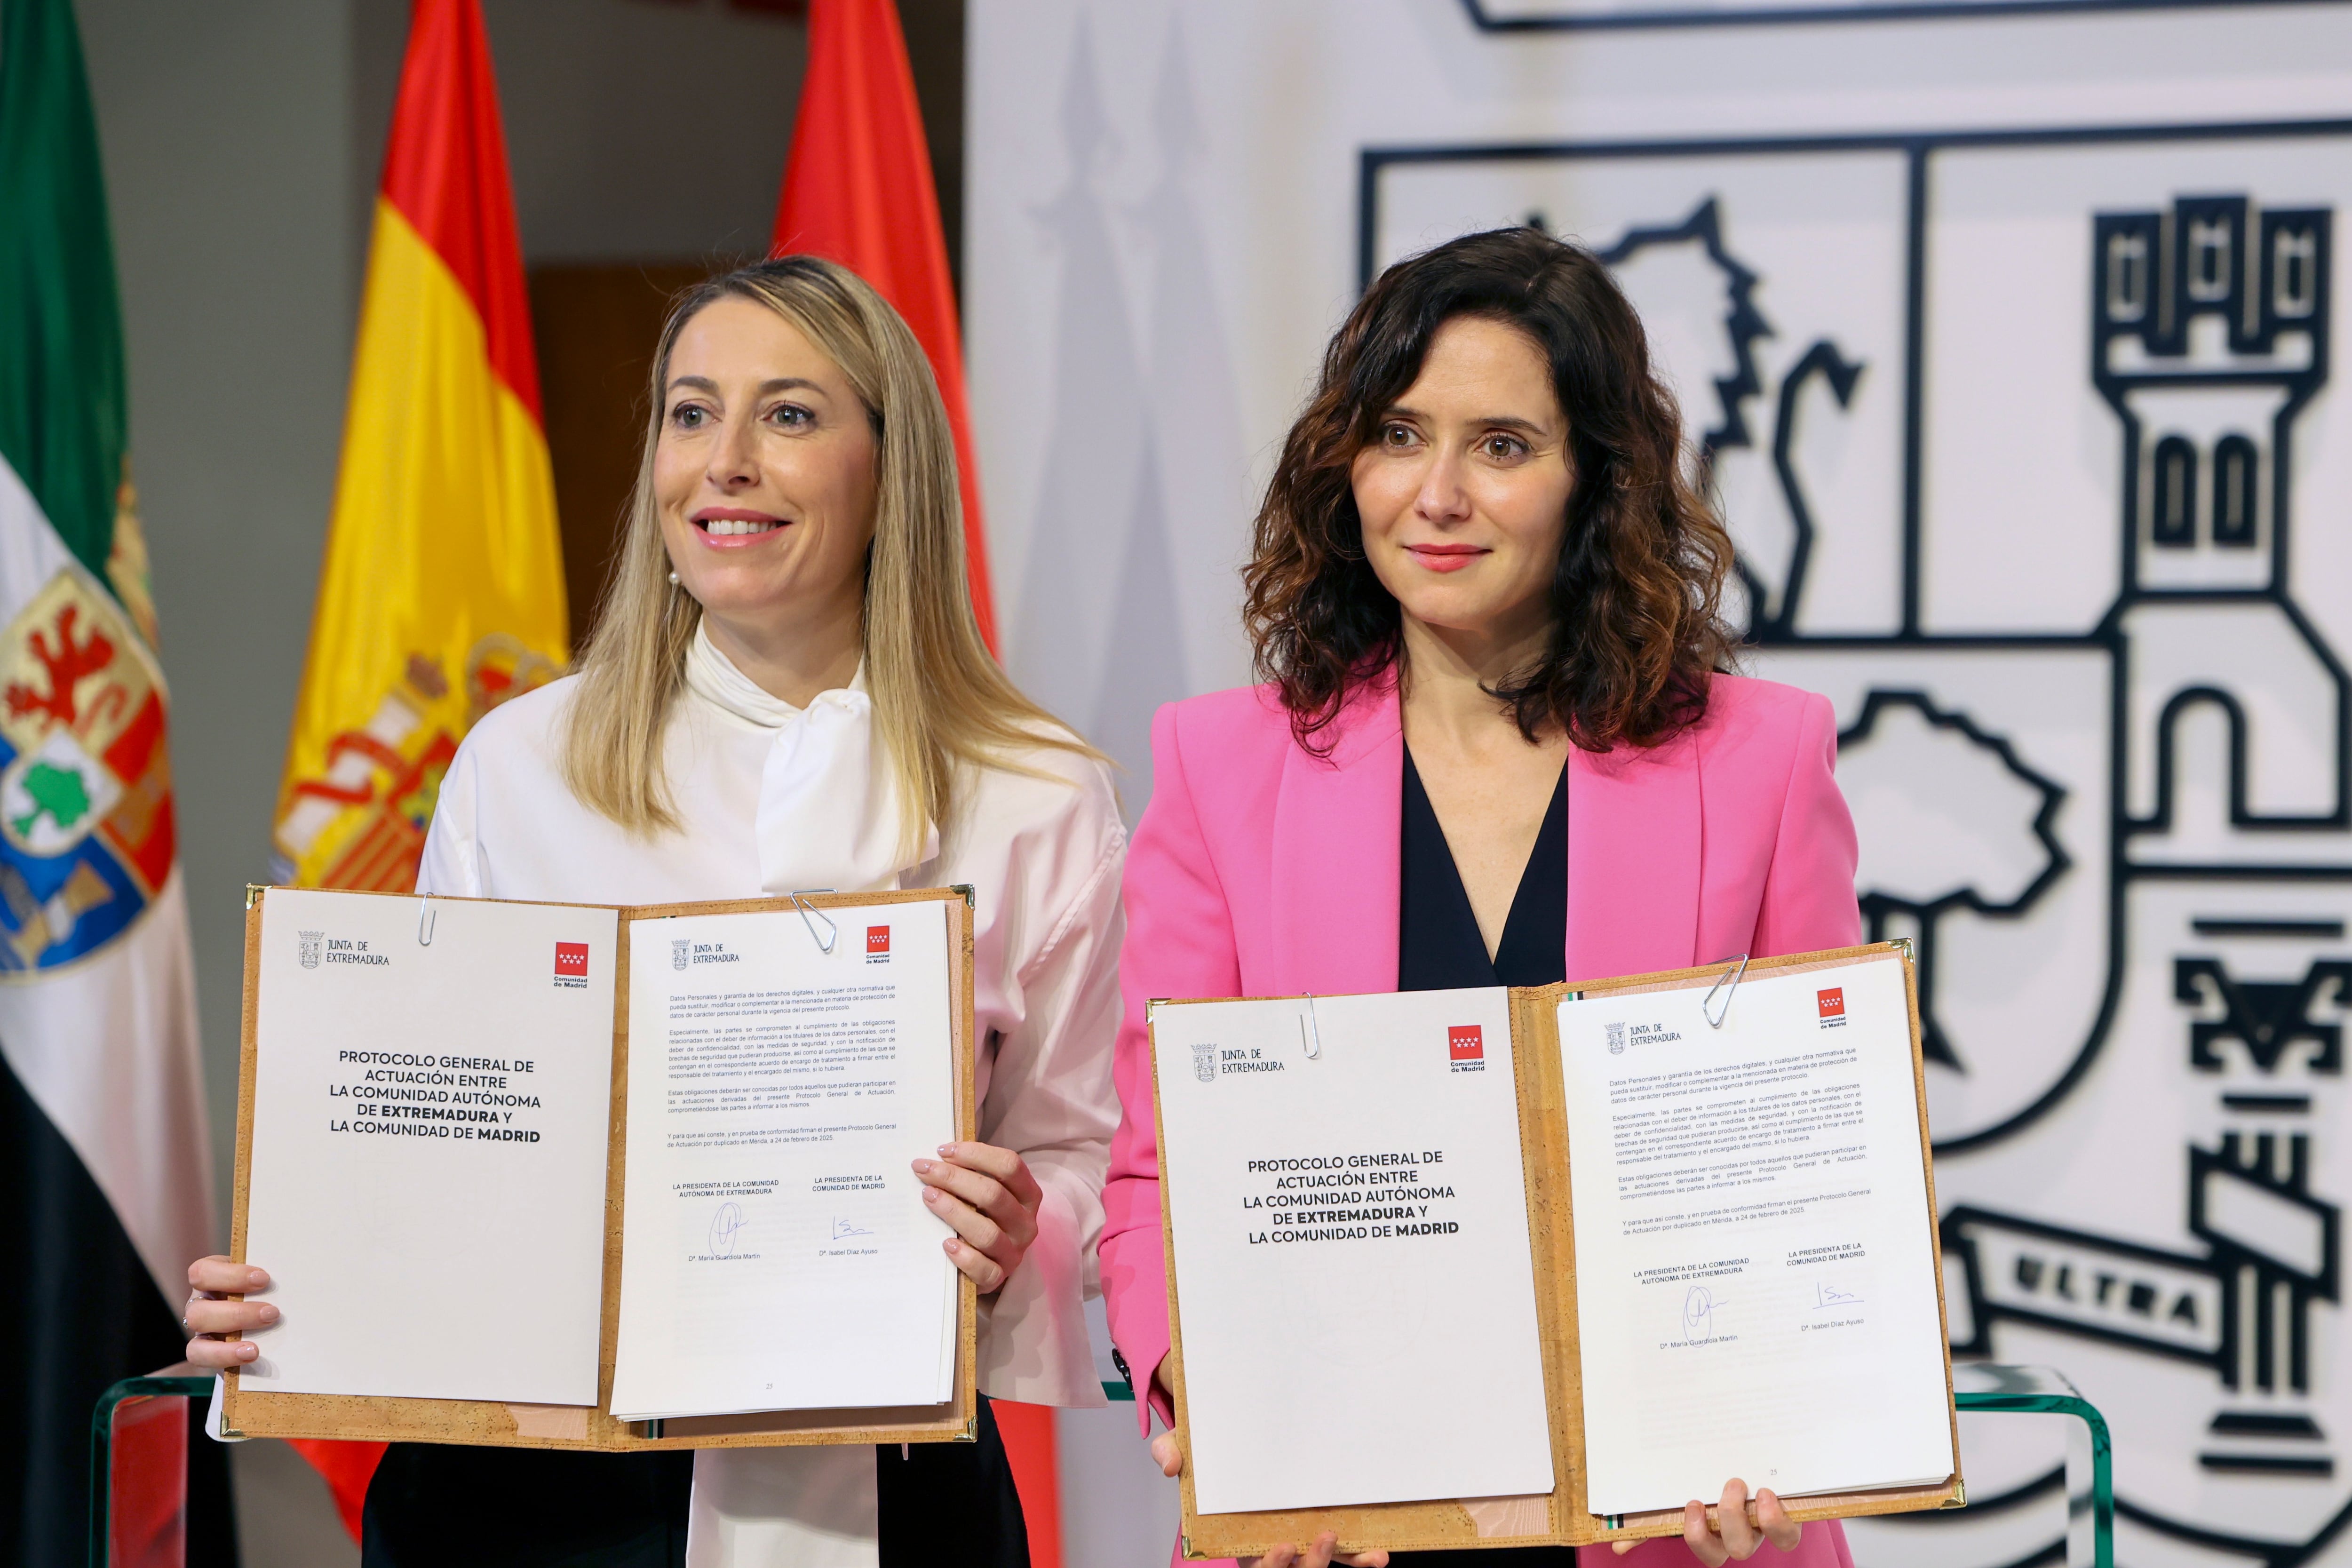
pixel 1495 743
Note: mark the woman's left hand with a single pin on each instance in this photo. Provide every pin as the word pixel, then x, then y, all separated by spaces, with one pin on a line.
pixel 1732 1538
pixel 988 1197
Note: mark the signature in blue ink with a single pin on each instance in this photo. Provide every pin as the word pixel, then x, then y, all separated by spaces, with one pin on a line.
pixel 842 1227
pixel 1698 1315
pixel 723 1226
pixel 1827 1296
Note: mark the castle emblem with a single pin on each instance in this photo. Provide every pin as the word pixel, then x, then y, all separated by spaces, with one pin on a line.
pixel 2209 337
pixel 86 826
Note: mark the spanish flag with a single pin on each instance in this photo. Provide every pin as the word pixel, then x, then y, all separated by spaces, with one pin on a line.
pixel 442 593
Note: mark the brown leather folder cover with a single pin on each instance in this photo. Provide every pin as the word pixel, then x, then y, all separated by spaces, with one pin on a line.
pixel 1561 1518
pixel 252 1413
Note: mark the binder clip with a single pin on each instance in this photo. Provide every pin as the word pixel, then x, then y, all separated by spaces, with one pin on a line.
pixel 427 919
pixel 1726 983
pixel 810 914
pixel 1310 1031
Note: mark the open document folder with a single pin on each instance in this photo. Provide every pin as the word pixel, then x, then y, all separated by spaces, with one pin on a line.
pixel 662 1154
pixel 1544 1264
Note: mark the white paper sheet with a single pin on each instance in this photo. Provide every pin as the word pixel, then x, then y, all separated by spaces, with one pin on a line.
pixel 776 1253
pixel 1755 1264
pixel 1356 1291
pixel 431 1121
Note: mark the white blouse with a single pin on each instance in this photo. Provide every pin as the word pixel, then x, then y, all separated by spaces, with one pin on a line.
pixel 762 802
pixel 774 799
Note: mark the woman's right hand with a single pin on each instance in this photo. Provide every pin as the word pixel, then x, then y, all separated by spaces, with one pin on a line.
pixel 1321 1553
pixel 209 1316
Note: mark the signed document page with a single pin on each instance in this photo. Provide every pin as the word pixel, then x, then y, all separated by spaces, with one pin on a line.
pixel 1756 1278
pixel 776 1252
pixel 431 1091
pixel 1348 1213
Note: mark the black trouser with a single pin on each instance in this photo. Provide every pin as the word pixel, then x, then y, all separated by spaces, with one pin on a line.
pixel 939 1504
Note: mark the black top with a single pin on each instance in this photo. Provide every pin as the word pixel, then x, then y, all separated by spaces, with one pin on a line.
pixel 1438 944
pixel 1439 948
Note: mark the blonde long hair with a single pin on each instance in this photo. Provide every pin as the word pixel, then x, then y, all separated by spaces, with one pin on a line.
pixel 940 699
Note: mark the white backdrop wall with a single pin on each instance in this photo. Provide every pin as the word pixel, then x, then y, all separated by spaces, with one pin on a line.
pixel 2017 341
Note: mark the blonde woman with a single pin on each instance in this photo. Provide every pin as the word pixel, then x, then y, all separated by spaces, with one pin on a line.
pixel 787 689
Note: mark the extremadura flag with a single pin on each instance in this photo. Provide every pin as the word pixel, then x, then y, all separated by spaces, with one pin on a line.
pixel 105 1184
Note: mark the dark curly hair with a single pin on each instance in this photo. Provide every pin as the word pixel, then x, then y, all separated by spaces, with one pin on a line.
pixel 1636 596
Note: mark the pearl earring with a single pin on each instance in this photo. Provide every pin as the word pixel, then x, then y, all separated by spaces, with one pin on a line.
pixel 673 579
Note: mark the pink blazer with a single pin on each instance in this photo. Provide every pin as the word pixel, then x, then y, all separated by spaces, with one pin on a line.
pixel 1261 870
